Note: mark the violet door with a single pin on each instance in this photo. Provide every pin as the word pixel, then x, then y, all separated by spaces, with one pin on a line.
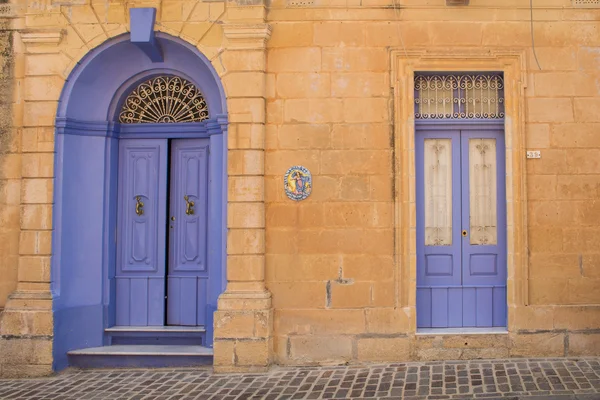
pixel 140 272
pixel 461 231
pixel 187 271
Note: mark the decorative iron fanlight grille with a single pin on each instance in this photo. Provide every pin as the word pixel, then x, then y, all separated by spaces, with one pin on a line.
pixel 164 99
pixel 464 96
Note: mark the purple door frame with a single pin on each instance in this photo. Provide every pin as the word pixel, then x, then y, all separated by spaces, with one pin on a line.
pixel 83 265
pixel 450 291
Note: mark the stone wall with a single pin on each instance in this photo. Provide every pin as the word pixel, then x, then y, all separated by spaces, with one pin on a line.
pixel 323 94
pixel 333 266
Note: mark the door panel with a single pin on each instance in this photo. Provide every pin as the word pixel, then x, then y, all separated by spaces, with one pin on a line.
pixel 187 270
pixel 461 231
pixel 484 215
pixel 140 274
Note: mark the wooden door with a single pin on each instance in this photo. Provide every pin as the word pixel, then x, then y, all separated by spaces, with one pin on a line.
pixel 187 272
pixel 140 272
pixel 461 229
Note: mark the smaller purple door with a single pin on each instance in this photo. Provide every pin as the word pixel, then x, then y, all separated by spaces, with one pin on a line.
pixel 140 272
pixel 461 228
pixel 187 271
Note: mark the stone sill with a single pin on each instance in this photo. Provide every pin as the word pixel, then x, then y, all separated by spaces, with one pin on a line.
pixel 461 331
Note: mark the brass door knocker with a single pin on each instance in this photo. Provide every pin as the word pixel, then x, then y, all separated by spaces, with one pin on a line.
pixel 139 206
pixel 189 205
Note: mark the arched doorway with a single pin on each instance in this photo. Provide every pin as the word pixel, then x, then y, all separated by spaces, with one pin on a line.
pixel 139 213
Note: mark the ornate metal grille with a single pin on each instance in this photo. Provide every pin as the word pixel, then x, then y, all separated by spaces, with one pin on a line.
pixel 459 96
pixel 164 99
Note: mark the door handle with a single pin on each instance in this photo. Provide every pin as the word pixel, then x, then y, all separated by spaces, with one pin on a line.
pixel 139 206
pixel 464 233
pixel 189 205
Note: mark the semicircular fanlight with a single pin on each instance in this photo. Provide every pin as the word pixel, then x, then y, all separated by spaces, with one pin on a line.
pixel 164 99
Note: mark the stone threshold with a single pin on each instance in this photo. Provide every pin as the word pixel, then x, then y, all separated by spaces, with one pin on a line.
pixel 462 331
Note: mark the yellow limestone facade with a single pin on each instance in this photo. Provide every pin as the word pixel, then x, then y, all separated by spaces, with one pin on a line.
pixel 327 84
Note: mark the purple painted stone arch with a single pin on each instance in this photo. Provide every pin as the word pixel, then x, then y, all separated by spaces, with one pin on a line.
pixel 85 187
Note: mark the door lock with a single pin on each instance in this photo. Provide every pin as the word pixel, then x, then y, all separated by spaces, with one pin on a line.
pixel 464 233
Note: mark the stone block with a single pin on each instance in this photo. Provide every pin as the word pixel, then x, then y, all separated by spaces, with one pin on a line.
pixel 588 58
pixel 246 162
pixel 303 85
pixel 304 136
pixel 224 353
pixel 583 135
pixel 353 188
pixel 578 187
pixel 363 162
pixel 584 344
pixel 244 60
pixel 562 84
pixel 319 322
pixel 541 187
pixel 244 84
pixel 282 241
pixel 548 291
pixel 537 345
pixel 475 341
pixel 311 349
pixel 253 353
pixel 278 162
pixel 337 33
pixel 37 165
pixel 303 267
pixel 383 349
pixel 234 324
pixel 246 136
pixel 246 215
pixel 348 241
pixel 355 214
pixel 42 88
pixel 586 109
pixel 245 241
pixel 246 268
pixel 537 136
pixel 383 294
pixel 361 136
pixel 556 58
pixel 36 191
pixel 551 110
pixel 387 320
pixel 576 318
pixel 313 110
pixel 366 109
pixel 349 295
pixel 249 110
pixel 355 59
pixel 245 188
pixel 36 216
pixel 299 59
pixel 291 34
pixel 34 268
pixel 583 161
pixel 288 295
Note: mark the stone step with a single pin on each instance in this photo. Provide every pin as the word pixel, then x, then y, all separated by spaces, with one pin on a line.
pixel 157 335
pixel 141 356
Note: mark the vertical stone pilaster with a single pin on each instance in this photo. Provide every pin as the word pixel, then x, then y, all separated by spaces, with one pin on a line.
pixel 243 321
pixel 26 326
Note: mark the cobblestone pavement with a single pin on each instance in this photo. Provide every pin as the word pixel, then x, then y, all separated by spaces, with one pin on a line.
pixel 546 379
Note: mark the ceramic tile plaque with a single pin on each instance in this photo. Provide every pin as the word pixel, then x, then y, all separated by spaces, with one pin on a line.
pixel 297 183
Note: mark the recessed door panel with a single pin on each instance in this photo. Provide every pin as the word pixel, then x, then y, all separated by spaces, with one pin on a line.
pixel 188 232
pixel 140 273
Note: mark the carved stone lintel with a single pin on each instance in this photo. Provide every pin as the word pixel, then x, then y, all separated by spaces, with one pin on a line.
pixel 42 37
pixel 247 37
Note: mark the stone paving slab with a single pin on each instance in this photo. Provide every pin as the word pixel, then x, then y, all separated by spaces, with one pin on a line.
pixel 538 379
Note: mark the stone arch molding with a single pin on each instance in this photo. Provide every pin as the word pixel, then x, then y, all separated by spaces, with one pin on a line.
pixel 85 185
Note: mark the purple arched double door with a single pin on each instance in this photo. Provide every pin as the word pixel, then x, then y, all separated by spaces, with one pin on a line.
pixel 162 274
